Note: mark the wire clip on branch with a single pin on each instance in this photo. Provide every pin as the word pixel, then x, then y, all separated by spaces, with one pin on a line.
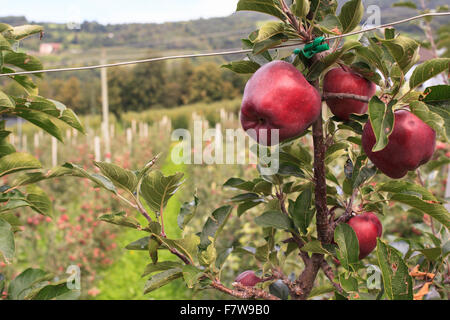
pixel 310 49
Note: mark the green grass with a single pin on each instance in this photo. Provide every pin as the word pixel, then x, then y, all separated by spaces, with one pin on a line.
pixel 123 280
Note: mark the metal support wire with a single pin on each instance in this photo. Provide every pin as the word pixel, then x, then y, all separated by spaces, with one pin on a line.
pixel 223 53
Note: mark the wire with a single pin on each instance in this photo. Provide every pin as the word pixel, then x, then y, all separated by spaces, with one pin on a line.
pixel 223 53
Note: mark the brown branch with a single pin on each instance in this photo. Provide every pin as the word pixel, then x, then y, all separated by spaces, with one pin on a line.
pixel 243 292
pixel 180 255
pixel 331 95
pixel 330 275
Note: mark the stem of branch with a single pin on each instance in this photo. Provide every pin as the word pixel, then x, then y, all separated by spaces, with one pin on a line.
pixel 331 95
pixel 243 292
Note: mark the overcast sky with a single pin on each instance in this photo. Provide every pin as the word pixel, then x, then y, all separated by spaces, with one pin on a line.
pixel 114 11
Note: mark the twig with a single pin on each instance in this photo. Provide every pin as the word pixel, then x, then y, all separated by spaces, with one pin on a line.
pixel 330 275
pixel 331 95
pixel 243 292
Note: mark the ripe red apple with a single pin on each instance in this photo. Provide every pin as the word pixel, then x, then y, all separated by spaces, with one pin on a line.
pixel 411 144
pixel 345 80
pixel 277 96
pixel 368 228
pixel 248 278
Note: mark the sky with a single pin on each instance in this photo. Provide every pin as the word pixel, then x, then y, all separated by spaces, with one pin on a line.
pixel 114 11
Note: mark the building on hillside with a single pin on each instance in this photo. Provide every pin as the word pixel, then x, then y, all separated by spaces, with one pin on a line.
pixel 49 48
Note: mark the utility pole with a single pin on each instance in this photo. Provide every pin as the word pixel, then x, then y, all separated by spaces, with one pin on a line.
pixel 105 109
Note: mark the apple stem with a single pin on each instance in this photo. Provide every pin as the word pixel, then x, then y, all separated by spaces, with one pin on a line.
pixel 333 95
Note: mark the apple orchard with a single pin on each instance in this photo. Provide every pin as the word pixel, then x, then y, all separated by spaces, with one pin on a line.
pixel 355 141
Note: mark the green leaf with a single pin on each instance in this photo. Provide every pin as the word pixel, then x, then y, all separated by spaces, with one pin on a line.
pixel 301 8
pixel 421 110
pixel 5 102
pixel 51 291
pixel 23 61
pixel 314 246
pixel 18 161
pixel 161 266
pixel 23 284
pixel 4 44
pixel 191 275
pixel 247 205
pixel 403 50
pixel 242 67
pixel 214 225
pixel 40 120
pixel 431 254
pixel 276 40
pixel 275 219
pixel 330 25
pixel 427 70
pixel 187 212
pixel 120 219
pixel 396 279
pixel 122 178
pixel 98 179
pixel 382 121
pixel 436 210
pixel 140 244
pixel 21 32
pixel 161 279
pixel 264 6
pixel 349 283
pixel 33 177
pixel 157 189
pixel 351 14
pixel 405 4
pixel 348 252
pixel 405 187
pixel 39 200
pixel 268 30
pixel 238 183
pixel 302 214
pixel 7 245
pixel 245 197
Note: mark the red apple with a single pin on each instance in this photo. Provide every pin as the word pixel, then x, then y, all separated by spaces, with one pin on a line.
pixel 345 80
pixel 277 96
pixel 411 144
pixel 368 228
pixel 248 278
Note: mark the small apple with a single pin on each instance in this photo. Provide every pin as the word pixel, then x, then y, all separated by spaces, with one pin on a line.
pixel 277 96
pixel 345 80
pixel 248 278
pixel 411 144
pixel 368 228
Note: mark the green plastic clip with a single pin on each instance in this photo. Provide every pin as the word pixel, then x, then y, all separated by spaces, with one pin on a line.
pixel 310 49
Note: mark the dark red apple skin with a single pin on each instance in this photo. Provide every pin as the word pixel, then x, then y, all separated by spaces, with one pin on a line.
pixel 411 144
pixel 368 228
pixel 248 278
pixel 277 96
pixel 338 80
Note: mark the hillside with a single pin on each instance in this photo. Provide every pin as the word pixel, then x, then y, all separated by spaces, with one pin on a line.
pixel 201 34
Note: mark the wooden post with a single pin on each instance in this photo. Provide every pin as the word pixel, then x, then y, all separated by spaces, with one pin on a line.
pixel 447 189
pixel 54 152
pixel 36 140
pixel 97 148
pixel 129 136
pixel 105 107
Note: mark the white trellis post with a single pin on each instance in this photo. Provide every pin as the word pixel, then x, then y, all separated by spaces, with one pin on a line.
pixel 12 139
pixel 36 140
pixel 105 108
pixel 54 152
pixel 447 190
pixel 97 148
pixel 129 136
pixel 24 142
pixel 133 126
